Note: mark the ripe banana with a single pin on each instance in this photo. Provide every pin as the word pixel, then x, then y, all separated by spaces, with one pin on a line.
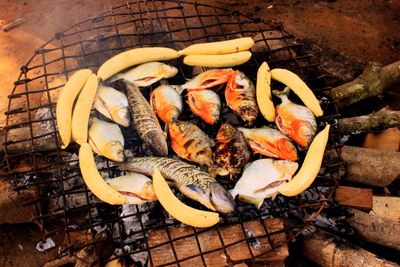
pixel 218 61
pixel 219 48
pixel 263 92
pixel 66 101
pixel 93 179
pixel 134 57
pixel 299 87
pixel 310 167
pixel 178 210
pixel 80 116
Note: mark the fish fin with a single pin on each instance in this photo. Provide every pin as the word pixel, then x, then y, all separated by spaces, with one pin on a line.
pixel 256 201
pixel 233 193
pixel 195 188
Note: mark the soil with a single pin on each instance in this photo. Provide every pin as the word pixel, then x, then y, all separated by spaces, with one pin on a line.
pixel 350 33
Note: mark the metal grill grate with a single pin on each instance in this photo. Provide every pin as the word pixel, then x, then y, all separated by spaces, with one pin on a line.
pixel 65 206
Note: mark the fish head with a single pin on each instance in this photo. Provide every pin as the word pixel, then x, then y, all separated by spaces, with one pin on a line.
pixel 303 132
pixel 167 70
pixel 287 149
pixel 177 128
pixel 114 151
pixel 221 199
pixel 121 116
pixel 286 167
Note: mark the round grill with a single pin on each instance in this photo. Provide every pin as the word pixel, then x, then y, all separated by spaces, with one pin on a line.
pixel 65 206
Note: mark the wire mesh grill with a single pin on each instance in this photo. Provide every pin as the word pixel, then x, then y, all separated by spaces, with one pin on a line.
pixel 65 206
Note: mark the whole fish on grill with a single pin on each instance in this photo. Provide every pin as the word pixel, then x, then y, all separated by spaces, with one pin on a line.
pixel 240 95
pixel 145 121
pixel 190 142
pixel 270 142
pixel 295 121
pixel 113 104
pixel 146 74
pixel 262 179
pixel 166 102
pixel 192 182
pixel 231 153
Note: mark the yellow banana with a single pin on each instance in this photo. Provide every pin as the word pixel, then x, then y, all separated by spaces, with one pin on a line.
pixel 219 48
pixel 218 61
pixel 80 116
pixel 178 210
pixel 65 102
pixel 134 57
pixel 263 93
pixel 310 167
pixel 93 179
pixel 299 87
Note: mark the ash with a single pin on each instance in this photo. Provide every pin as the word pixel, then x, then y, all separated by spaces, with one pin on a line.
pixel 45 245
pixel 253 241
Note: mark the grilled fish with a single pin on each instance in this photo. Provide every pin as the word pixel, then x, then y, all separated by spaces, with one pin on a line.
pixel 106 139
pixel 240 95
pixel 113 104
pixel 295 121
pixel 190 142
pixel 270 142
pixel 146 74
pixel 231 152
pixel 190 181
pixel 166 102
pixel 208 79
pixel 145 121
pixel 262 179
pixel 137 188
pixel 205 104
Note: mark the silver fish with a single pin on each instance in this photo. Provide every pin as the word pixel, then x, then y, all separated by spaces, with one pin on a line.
pixel 113 104
pixel 137 188
pixel 262 179
pixel 106 139
pixel 145 121
pixel 191 181
pixel 146 74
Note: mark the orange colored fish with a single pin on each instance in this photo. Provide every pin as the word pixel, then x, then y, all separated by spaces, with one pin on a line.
pixel 240 95
pixel 166 102
pixel 270 142
pixel 190 142
pixel 205 104
pixel 295 121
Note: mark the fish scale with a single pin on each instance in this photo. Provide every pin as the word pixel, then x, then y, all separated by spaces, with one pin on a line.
pixel 145 121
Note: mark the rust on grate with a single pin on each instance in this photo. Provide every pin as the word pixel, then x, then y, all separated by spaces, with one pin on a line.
pixel 65 205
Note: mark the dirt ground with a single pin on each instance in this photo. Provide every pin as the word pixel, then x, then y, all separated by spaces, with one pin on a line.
pixel 363 30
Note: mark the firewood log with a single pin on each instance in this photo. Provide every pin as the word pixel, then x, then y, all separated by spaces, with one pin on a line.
pixel 324 250
pixel 372 82
pixel 374 229
pixel 380 120
pixel 370 166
